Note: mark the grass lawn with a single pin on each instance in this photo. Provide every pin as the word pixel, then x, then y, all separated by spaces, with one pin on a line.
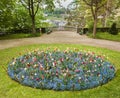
pixel 19 35
pixel 12 89
pixel 106 36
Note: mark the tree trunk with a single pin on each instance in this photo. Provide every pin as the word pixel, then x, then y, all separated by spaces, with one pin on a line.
pixel 33 25
pixel 95 23
pixel 106 13
pixel 33 17
pixel 95 28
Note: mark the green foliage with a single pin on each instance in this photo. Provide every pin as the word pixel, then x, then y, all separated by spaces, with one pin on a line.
pixel 106 36
pixel 90 26
pixel 21 18
pixel 113 30
pixel 20 35
pixel 13 16
pixel 6 10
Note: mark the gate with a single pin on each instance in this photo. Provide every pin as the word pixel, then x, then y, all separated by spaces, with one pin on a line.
pixel 64 28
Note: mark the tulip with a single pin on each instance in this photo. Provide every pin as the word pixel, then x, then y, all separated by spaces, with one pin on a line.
pixel 77 70
pixel 111 67
pixel 28 65
pixel 42 77
pixel 37 79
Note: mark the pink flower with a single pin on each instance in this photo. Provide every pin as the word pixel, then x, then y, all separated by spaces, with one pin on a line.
pixel 34 59
pixel 42 76
pixel 56 74
pixel 77 70
pixel 61 59
pixel 56 71
pixel 54 64
pixel 31 63
pixel 41 67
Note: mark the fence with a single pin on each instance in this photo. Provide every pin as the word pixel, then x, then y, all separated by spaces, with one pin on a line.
pixel 85 30
pixel 63 28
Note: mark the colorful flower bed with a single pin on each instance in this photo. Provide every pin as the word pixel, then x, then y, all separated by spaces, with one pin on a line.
pixel 61 70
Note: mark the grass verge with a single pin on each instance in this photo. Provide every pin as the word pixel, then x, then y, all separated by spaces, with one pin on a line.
pixel 12 89
pixel 106 36
pixel 19 35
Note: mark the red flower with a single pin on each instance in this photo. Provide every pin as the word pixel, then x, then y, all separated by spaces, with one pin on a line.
pixel 28 65
pixel 37 79
pixel 56 71
pixel 83 63
pixel 98 74
pixel 111 67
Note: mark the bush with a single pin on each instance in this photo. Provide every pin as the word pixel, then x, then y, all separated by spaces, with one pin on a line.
pixel 113 30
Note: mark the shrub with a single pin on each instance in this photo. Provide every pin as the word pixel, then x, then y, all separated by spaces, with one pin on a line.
pixel 113 30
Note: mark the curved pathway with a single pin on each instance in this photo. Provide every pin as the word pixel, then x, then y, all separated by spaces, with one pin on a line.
pixel 66 37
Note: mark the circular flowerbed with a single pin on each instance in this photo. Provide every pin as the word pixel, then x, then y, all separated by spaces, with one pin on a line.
pixel 61 70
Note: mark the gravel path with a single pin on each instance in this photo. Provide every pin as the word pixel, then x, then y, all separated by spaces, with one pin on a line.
pixel 66 37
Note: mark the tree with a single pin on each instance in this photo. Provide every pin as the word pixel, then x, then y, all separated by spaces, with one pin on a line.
pixel 33 6
pixel 6 10
pixel 113 30
pixel 76 14
pixel 21 19
pixel 95 6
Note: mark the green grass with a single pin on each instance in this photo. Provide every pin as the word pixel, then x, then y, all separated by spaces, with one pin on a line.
pixel 106 36
pixel 19 35
pixel 12 89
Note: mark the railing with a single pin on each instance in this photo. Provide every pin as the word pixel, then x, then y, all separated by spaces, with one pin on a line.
pixel 62 28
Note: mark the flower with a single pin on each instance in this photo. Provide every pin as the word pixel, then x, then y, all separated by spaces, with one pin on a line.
pixel 35 74
pixel 23 76
pixel 41 67
pixel 37 79
pixel 28 65
pixel 34 59
pixel 61 59
pixel 72 70
pixel 54 64
pixel 13 63
pixel 77 70
pixel 42 77
pixel 36 65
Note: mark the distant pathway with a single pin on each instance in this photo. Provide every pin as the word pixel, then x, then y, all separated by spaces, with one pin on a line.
pixel 66 37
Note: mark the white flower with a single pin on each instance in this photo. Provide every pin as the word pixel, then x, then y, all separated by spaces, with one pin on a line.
pixel 95 69
pixel 79 78
pixel 13 63
pixel 25 69
pixel 88 71
pixel 23 76
pixel 95 65
pixel 35 74
pixel 64 74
